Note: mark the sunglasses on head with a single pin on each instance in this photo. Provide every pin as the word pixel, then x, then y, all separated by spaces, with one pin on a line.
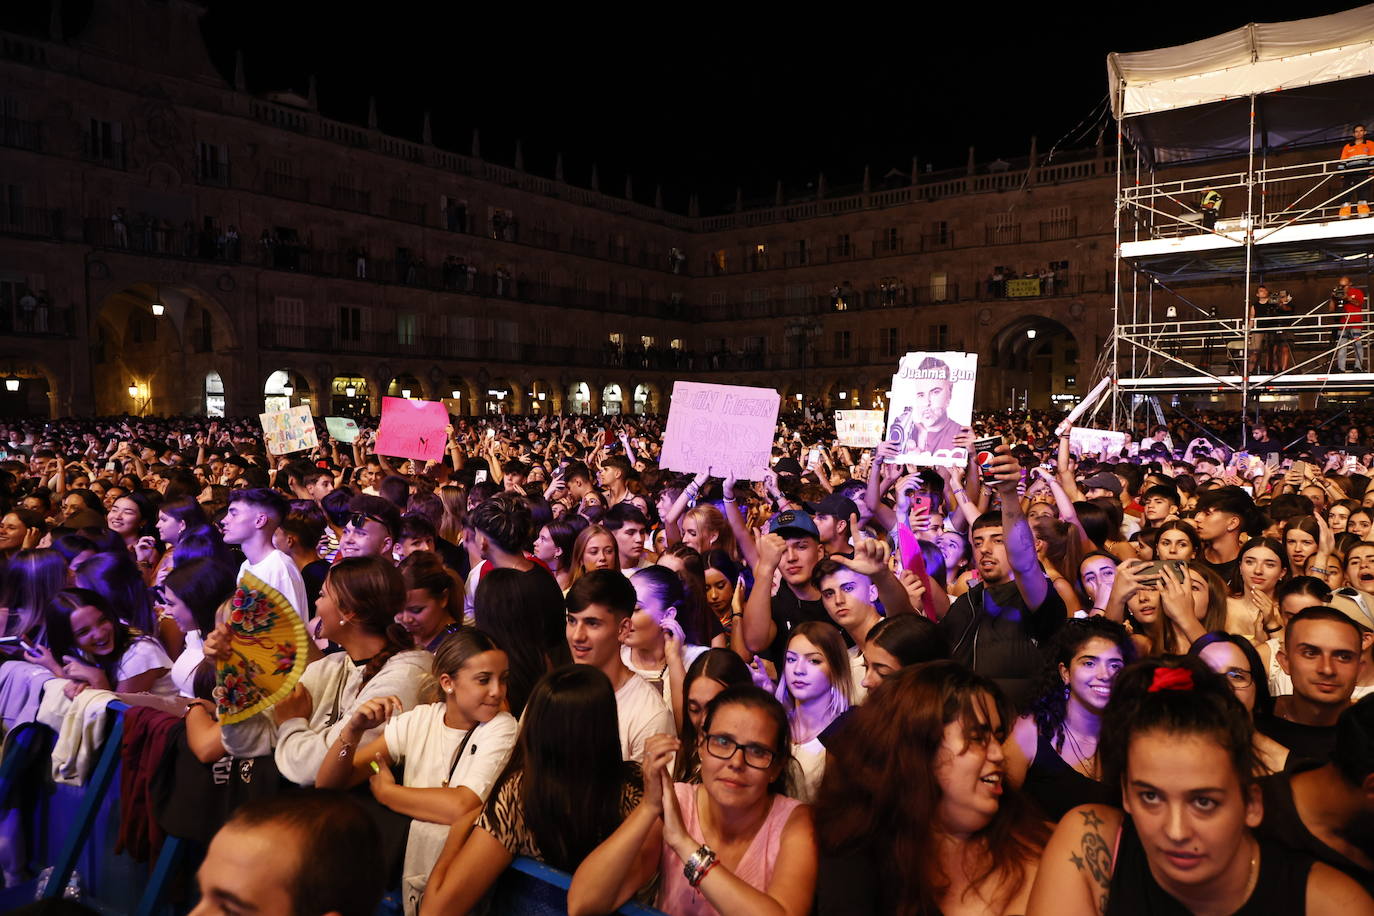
pixel 360 520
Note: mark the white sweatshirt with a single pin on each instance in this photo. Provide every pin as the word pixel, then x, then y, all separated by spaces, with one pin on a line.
pixel 336 690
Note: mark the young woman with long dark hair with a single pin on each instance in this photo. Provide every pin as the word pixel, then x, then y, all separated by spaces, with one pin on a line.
pixel 914 816
pixel 1053 750
pixel 525 612
pixel 1178 742
pixel 564 791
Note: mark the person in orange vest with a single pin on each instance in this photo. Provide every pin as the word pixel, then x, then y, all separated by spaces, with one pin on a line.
pixel 1357 158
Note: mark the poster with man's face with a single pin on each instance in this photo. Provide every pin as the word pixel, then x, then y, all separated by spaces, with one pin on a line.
pixel 931 402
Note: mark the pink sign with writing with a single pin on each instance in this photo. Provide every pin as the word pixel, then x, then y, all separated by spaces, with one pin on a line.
pixel 413 429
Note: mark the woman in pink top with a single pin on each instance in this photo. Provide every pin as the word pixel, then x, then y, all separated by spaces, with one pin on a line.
pixel 734 844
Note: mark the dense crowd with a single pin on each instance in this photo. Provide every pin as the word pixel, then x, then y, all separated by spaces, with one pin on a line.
pixel 1044 682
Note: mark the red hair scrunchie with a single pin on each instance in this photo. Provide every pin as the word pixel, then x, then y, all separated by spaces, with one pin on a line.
pixel 1171 679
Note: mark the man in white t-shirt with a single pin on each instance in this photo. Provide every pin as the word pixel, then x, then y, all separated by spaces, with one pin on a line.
pixel 250 521
pixel 600 605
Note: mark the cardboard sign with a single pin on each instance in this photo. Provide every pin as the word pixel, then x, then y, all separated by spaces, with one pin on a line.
pixel 1104 442
pixel 726 429
pixel 413 429
pixel 931 402
pixel 289 431
pixel 859 428
pixel 342 429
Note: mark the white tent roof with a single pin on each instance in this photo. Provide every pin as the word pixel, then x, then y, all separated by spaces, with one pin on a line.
pixel 1257 58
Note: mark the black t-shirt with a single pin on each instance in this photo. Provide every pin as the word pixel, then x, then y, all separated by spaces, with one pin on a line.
pixel 788 611
pixel 1283 824
pixel 1226 570
pixel 1304 742
pixel 991 630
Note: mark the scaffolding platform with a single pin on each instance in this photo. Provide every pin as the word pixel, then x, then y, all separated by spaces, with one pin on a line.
pixel 1254 123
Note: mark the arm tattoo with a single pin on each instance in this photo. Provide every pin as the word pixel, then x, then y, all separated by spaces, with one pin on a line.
pixel 1021 545
pixel 1096 858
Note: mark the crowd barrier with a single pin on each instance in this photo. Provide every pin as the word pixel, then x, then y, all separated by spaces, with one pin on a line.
pixel 72 830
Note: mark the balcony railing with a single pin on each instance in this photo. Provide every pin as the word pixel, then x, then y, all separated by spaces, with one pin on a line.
pixel 36 222
pixel 41 319
pixel 1053 230
pixel 281 184
pixel 21 134
pixel 213 173
pixel 101 151
pixel 407 210
pixel 1003 235
pixel 347 198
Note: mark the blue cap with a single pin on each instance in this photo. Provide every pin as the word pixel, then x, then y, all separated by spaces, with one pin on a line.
pixel 792 523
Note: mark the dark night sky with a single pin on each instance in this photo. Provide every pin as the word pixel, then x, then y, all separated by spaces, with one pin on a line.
pixel 708 98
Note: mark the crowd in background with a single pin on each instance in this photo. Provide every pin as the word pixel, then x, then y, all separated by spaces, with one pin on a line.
pixel 1039 682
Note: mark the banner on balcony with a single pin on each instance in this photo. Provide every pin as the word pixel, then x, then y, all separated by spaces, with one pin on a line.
pixel 859 428
pixel 1103 443
pixel 1026 286
pixel 288 431
pixel 413 429
pixel 931 402
pixel 722 429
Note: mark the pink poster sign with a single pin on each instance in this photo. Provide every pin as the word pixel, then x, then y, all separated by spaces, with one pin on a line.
pixel 413 429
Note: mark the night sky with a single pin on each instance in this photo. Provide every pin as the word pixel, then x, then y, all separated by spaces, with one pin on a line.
pixel 709 98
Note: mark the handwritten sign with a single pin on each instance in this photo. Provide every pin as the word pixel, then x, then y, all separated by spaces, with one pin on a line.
pixel 289 431
pixel 1028 286
pixel 1088 441
pixel 859 428
pixel 931 402
pixel 412 429
pixel 343 429
pixel 727 429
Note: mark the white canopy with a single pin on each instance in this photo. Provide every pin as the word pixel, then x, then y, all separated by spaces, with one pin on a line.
pixel 1257 58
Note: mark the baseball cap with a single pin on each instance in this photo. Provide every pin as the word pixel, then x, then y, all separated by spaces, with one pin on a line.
pixel 835 505
pixel 788 466
pixel 791 523
pixel 1104 481
pixel 1353 607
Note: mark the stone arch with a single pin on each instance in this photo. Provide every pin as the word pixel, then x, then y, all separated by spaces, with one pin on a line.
pixel 646 397
pixel 1032 357
pixel 357 404
pixel 156 336
pixel 29 388
pixel 579 397
pixel 287 387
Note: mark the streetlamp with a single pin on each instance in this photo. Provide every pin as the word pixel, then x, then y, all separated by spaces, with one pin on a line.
pixel 802 329
pixel 12 383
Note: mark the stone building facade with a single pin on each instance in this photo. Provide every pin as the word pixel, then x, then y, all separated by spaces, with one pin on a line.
pixel 170 243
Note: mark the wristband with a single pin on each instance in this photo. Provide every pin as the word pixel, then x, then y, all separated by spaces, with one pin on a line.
pixel 698 864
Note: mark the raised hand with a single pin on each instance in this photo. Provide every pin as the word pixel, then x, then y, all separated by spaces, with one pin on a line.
pixel 373 713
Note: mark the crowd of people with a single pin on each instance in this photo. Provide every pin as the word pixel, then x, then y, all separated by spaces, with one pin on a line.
pixel 1046 683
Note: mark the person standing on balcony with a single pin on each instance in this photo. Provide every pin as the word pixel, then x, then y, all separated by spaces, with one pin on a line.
pixel 1357 159
pixel 1211 208
pixel 1348 300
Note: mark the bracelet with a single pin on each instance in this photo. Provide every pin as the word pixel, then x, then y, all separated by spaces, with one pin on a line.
pixel 728 499
pixel 706 871
pixel 696 866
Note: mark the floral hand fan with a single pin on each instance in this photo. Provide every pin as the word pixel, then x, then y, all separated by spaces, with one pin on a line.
pixel 268 651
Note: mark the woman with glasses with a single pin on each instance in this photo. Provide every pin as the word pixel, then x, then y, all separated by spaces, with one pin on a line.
pixel 1235 658
pixel 733 844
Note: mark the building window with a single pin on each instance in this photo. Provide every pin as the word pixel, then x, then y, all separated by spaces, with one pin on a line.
pixel 841 344
pixel 939 287
pixel 103 142
pixel 938 337
pixel 892 239
pixel 647 342
pixel 890 342
pixel 842 245
pixel 212 163
pixel 675 343
pixel 350 323
pixel 406 329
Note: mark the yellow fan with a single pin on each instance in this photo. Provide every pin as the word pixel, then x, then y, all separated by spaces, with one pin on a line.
pixel 268 651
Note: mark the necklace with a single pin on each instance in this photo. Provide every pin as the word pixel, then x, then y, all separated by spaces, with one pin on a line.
pixel 1087 764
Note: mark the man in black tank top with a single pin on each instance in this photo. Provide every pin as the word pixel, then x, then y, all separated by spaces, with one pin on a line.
pixel 1327 811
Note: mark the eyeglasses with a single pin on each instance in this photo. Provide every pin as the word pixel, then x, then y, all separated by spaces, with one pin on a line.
pixel 1238 677
pixel 724 747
